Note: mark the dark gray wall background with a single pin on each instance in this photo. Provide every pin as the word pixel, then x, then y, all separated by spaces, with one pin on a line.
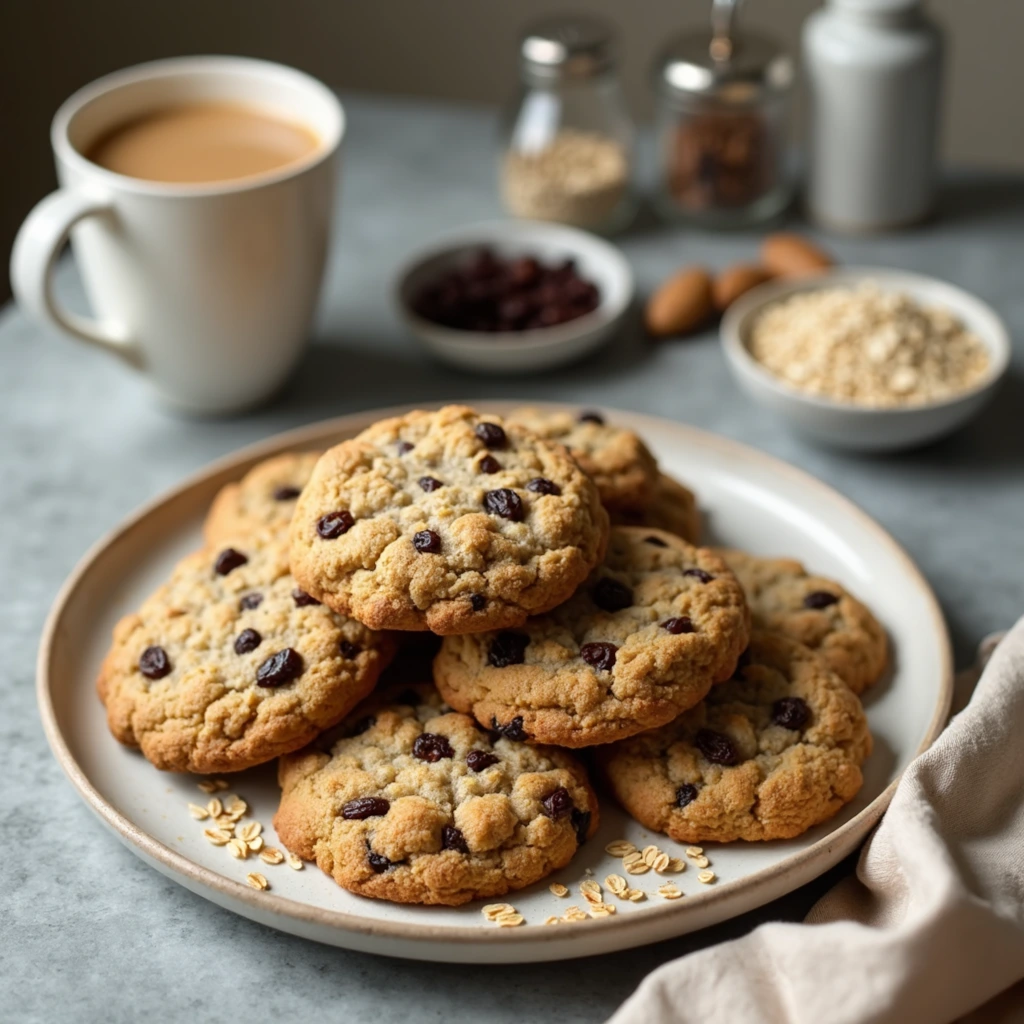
pixel 453 49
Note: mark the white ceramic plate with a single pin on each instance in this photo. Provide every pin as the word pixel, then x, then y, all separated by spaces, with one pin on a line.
pixel 751 501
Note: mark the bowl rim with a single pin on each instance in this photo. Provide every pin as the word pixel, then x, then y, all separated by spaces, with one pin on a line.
pixel 496 232
pixel 997 342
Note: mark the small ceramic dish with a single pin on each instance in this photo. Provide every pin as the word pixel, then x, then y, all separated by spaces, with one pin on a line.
pixel 518 351
pixel 854 427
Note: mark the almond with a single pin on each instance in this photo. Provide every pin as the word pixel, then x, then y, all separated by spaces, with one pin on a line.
pixel 681 304
pixel 732 282
pixel 787 255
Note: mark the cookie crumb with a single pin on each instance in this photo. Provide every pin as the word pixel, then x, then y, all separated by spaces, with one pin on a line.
pixel 707 877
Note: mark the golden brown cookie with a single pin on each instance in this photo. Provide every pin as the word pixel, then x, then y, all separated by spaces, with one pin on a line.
pixel 766 755
pixel 262 501
pixel 673 508
pixel 415 804
pixel 230 664
pixel 815 610
pixel 448 521
pixel 616 459
pixel 653 628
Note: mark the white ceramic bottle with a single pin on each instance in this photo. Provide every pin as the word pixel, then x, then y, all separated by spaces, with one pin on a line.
pixel 874 70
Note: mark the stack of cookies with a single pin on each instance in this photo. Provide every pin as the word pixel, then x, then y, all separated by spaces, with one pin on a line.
pixel 423 622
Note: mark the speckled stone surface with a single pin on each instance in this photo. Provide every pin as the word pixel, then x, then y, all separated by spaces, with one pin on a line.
pixel 91 933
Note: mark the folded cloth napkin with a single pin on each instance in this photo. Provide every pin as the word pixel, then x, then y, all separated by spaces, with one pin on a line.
pixel 932 926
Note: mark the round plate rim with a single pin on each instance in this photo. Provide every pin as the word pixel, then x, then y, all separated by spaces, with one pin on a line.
pixel 842 838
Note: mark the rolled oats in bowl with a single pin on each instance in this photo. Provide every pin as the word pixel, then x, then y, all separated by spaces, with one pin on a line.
pixel 869 347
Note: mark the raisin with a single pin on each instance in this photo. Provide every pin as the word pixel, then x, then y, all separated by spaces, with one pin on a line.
pixel 426 542
pixel 431 747
pixel 403 446
pixel 154 663
pixel 362 725
pixel 478 760
pixel 334 524
pixel 246 641
pixel 592 417
pixel 488 464
pixel 581 824
pixel 227 560
pixel 508 649
pixel 510 730
pixel 364 807
pixel 704 577
pixel 348 649
pixel 716 747
pixel 478 602
pixel 285 493
pixel 655 541
pixel 680 624
pixel 491 434
pixel 250 601
pixel 378 862
pixel 557 804
pixel 791 713
pixel 453 839
pixel 504 502
pixel 280 668
pixel 599 655
pixel 302 599
pixel 820 599
pixel 610 595
pixel 429 483
pixel 541 485
pixel 686 794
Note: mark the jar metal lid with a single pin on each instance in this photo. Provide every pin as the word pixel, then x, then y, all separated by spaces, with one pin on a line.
pixel 757 65
pixel 576 47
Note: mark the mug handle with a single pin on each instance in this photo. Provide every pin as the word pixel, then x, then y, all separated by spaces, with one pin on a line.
pixel 40 240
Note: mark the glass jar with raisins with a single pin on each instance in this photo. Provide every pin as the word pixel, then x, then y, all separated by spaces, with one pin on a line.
pixel 722 126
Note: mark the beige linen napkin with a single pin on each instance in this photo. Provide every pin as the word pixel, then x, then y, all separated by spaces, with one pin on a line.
pixel 932 926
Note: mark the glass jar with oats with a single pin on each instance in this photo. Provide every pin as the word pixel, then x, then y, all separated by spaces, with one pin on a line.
pixel 567 152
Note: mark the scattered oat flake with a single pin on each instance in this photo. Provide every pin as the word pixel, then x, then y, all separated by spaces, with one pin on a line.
pixel 509 920
pixel 649 853
pixel 238 849
pixel 557 889
pixel 639 868
pixel 271 855
pixel 661 862
pixel 616 884
pixel 207 786
pixel 294 861
pixel 237 807
pixel 694 851
pixel 554 919
pixel 574 914
pixel 636 895
pixel 701 862
pixel 217 836
pixel 669 891
pixel 620 848
pixel 590 886
pixel 257 881
pixel 593 898
pixel 255 844
pixel 215 808
pixel 707 877
pixel 197 812
pixel 602 909
pixel 677 864
pixel 250 831
pixel 632 858
pixel 492 910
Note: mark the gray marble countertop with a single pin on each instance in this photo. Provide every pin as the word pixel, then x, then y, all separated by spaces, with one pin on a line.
pixel 90 932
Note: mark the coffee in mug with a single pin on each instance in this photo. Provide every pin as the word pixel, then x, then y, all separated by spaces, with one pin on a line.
pixel 202 142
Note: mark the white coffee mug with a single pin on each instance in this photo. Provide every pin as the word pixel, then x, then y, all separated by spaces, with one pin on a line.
pixel 209 289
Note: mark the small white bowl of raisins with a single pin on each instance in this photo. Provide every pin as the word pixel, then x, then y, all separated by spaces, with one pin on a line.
pixel 514 296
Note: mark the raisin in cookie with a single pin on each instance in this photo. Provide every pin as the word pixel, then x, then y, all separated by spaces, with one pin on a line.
pixel 448 521
pixel 230 664
pixel 643 639
pixel 673 508
pixel 416 804
pixel 263 500
pixel 617 460
pixel 766 755
pixel 817 611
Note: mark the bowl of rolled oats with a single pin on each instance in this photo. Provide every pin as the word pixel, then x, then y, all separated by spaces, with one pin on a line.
pixel 868 359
